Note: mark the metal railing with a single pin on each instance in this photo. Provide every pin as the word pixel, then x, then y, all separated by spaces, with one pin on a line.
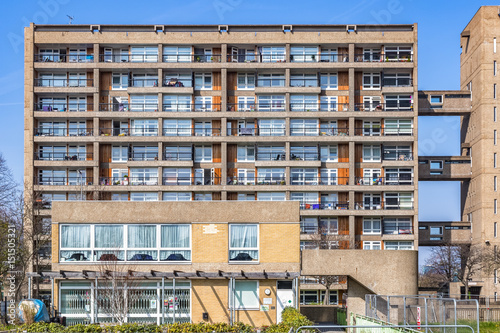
pixel 63 107
pixel 54 156
pixel 198 181
pixel 386 131
pixel 177 156
pixel 306 180
pixel 127 57
pixel 321 106
pixel 319 57
pixel 384 180
pixel 270 82
pixel 128 131
pixel 177 82
pixel 397 229
pixel 304 156
pixel 379 107
pixel 397 156
pixel 63 181
pixel 62 131
pixel 129 107
pixel 368 57
pixel 70 57
pixel 384 205
pixel 258 107
pixel 273 57
pixel 126 181
pixel 304 82
pixel 63 83
pixel 270 156
pixel 143 83
pixel 324 205
pixel 149 156
pixel 252 131
pixel 191 131
pixel 397 82
pixel 317 131
pixel 174 57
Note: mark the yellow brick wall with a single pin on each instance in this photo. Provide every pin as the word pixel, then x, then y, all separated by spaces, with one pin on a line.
pixel 55 243
pixel 210 247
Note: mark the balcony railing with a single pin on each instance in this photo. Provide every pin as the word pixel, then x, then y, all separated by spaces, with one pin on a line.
pixel 271 156
pixel 63 181
pixel 304 82
pixel 324 205
pixel 149 156
pixel 177 82
pixel 125 181
pixel 258 107
pixel 397 82
pixel 192 131
pixel 127 57
pixel 383 57
pixel 63 107
pixel 386 131
pixel 368 57
pixel 401 180
pixel 398 229
pixel 317 131
pixel 319 57
pixel 321 106
pixel 385 205
pixel 49 156
pixel 198 181
pixel 252 131
pixel 271 82
pixel 397 156
pixel 196 107
pixel 62 83
pixel 129 107
pixel 143 83
pixel 379 107
pixel 128 131
pixel 301 180
pixel 63 131
pixel 177 156
pixel 174 57
pixel 304 156
pixel 70 57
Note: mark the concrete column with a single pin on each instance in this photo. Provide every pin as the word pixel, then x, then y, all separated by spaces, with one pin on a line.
pixel 223 53
pixel 287 52
pixel 352 230
pixel 351 89
pixel 351 126
pixel 352 169
pixel 97 89
pixel 287 84
pixel 97 163
pixel 351 52
pixel 160 53
pixel 223 99
pixel 287 151
pixel 96 53
pixel 287 126
pixel 223 160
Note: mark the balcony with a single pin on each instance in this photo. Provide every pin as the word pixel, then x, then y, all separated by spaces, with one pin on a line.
pixel 318 131
pixel 402 179
pixel 321 107
pixel 386 131
pixel 126 181
pixel 126 107
pixel 318 181
pixel 63 83
pixel 192 132
pixel 324 205
pixel 388 56
pixel 63 107
pixel 143 83
pixel 384 107
pixel 252 131
pixel 397 229
pixel 149 156
pixel 127 57
pixel 256 107
pixel 48 156
pixel 63 181
pixel 203 58
pixel 177 156
pixel 319 57
pixel 397 156
pixel 62 131
pixel 128 131
pixel 385 205
pixel 70 57
pixel 177 82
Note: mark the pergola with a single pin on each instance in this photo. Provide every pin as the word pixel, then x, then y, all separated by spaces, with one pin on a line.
pixel 171 275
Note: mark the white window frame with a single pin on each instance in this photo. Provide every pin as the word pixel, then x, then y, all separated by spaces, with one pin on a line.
pixel 398 245
pixel 372 153
pixel 204 156
pixel 177 196
pixel 271 196
pixel 203 81
pixel 329 153
pixel 121 156
pixel 239 305
pixel 244 248
pixel 371 81
pixel 271 127
pixel 248 81
pixel 372 245
pixel 245 153
pixel 329 81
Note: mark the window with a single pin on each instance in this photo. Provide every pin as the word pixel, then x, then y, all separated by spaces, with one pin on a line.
pixel 371 201
pixel 495 114
pixel 270 175
pixel 436 99
pixel 143 196
pixel 494 90
pixel 176 176
pixel 303 103
pixel 141 239
pixel 177 153
pixel 398 200
pixel 303 80
pixel 495 280
pixel 494 160
pixel 304 153
pixel 307 199
pixel 144 127
pixel 108 241
pixel 271 102
pixel 203 104
pixel 495 206
pixel 144 54
pixel 436 231
pixel 329 103
pixel 329 153
pixel 398 176
pixel 397 80
pixel 245 177
pixel 494 45
pixel 176 196
pixel 328 225
pixel 303 53
pixel 243 242
pixel 77 104
pixel 242 55
pixel 246 81
pixel 52 177
pixel 203 197
pixel 246 197
pixel 371 81
pixel 495 137
pixel 398 102
pixel 272 53
pixel 246 295
pixel 77 128
pixel 371 55
pixel 143 176
pixel 177 54
pixel 370 177
pixel 144 80
pixel 271 80
pixel 177 127
pixel 270 196
pixel 371 153
pixel 308 225
pixel 398 127
pixel 119 154
pixel 177 103
pixel 75 243
pixel 331 55
pixel 494 68
pixel 397 226
pixel 371 103
pixel 78 55
pixel 246 154
pixel 397 53
pixel 268 153
pixel 436 165
pixel 271 127
pixel 371 226
pixel 203 153
pixel 329 81
pixel 304 127
pixel 495 229
pixel 177 80
pixel 52 80
pixel 175 242
pixel 390 245
pixel 371 128
pixel 52 104
pixel 203 81
pixel 370 245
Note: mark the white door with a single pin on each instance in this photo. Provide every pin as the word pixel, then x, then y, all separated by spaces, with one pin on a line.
pixel 284 297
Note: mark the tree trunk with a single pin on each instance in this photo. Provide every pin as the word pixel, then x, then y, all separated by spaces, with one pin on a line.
pixel 326 301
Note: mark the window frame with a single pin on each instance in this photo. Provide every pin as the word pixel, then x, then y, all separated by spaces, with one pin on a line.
pixel 230 248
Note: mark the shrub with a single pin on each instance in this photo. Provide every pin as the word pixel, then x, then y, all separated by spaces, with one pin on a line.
pixel 290 317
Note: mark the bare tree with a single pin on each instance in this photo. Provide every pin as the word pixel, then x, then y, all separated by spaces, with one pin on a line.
pixel 8 187
pixel 471 263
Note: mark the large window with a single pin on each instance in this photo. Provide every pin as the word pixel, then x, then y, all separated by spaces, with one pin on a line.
pixel 243 242
pixel 178 153
pixel 246 81
pixel 144 153
pixel 303 80
pixel 329 81
pixel 246 154
pixel 371 226
pixel 120 81
pixel 304 53
pixel 304 127
pixel 371 81
pixel 304 103
pixel 398 127
pixel 398 153
pixel 270 176
pixel 176 196
pixel 268 153
pixel 176 103
pixel 144 54
pixel 390 245
pixel 177 54
pixel 203 81
pixel 143 176
pixel 398 53
pixel 144 127
pixel 301 176
pixel 175 242
pixel 397 225
pixel 398 80
pixel 177 127
pixel 398 176
pixel 271 103
pixel 304 153
pixel 306 199
pixel 272 53
pixel 75 243
pixel 329 153
pixel 398 102
pixel 271 127
pixel 271 80
pixel 246 295
pixel 371 153
pixel 398 200
pixel 176 176
pixel 271 196
pixel 372 245
pixel 143 196
pixel 203 153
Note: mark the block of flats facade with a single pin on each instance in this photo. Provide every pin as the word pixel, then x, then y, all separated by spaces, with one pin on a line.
pixel 320 114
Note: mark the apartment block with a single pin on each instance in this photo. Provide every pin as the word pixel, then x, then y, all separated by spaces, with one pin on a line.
pixel 325 115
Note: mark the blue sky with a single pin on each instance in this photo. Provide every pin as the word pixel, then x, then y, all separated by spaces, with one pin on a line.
pixel 439 26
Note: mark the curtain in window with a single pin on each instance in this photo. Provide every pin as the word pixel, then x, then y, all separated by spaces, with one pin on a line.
pixel 243 236
pixel 175 236
pixel 75 236
pixel 141 236
pixel 108 236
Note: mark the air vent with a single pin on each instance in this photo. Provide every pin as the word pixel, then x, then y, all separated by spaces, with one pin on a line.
pixel 223 28
pixel 351 28
pixel 95 28
pixel 287 28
